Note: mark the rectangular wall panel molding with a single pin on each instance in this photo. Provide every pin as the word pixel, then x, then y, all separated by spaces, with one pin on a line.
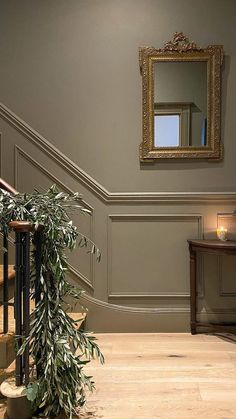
pixel 139 247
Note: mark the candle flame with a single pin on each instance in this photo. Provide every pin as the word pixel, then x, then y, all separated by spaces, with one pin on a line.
pixel 222 229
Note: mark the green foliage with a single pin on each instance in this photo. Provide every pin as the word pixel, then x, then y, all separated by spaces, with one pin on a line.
pixel 61 382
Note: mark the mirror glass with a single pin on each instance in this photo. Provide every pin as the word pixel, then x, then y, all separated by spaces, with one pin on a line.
pixel 180 104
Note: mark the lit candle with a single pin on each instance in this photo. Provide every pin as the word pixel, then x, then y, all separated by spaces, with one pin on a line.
pixel 222 233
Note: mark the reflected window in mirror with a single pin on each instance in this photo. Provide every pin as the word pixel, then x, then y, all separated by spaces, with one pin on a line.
pixel 167 130
pixel 176 122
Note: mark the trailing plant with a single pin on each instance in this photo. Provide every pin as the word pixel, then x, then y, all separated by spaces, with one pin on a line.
pixel 61 383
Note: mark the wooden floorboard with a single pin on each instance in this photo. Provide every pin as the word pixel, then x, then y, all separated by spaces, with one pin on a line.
pixel 165 376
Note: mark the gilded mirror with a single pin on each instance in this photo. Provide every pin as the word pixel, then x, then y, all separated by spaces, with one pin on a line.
pixel 181 100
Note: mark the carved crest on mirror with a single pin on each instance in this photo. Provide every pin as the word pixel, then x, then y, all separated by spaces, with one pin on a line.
pixel 181 86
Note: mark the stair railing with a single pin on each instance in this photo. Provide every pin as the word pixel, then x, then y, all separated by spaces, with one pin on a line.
pixel 23 231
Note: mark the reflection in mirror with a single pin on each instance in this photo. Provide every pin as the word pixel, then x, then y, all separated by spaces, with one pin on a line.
pixel 167 130
pixel 180 104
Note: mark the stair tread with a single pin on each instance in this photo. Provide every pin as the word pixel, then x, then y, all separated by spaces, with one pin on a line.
pixel 11 320
pixel 78 316
pixel 11 273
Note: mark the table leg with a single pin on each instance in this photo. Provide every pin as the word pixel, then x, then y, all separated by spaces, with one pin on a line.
pixel 193 291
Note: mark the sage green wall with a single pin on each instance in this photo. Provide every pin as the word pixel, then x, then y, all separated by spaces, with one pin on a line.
pixel 70 69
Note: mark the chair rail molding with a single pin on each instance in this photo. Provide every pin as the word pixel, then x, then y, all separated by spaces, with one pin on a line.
pixel 96 188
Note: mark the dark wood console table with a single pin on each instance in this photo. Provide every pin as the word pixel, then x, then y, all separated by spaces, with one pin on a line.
pixel 205 246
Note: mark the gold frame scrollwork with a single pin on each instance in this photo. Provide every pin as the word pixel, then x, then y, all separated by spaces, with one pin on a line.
pixel 181 49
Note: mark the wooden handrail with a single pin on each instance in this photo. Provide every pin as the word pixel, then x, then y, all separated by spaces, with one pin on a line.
pixel 4 185
pixel 21 226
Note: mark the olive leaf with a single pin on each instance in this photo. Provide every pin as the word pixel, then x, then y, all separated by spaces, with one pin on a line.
pixel 61 383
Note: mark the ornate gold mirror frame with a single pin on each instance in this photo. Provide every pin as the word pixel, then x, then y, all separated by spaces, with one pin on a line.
pixel 178 50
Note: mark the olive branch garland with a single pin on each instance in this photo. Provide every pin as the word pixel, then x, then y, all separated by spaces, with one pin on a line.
pixel 58 349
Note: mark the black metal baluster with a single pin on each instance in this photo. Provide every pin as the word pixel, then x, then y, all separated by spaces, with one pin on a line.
pixel 26 301
pixel 38 265
pixel 18 306
pixel 5 283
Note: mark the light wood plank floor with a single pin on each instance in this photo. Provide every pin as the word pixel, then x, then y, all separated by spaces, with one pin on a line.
pixel 166 376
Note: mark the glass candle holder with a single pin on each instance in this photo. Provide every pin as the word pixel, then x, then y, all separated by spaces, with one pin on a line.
pixel 222 234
